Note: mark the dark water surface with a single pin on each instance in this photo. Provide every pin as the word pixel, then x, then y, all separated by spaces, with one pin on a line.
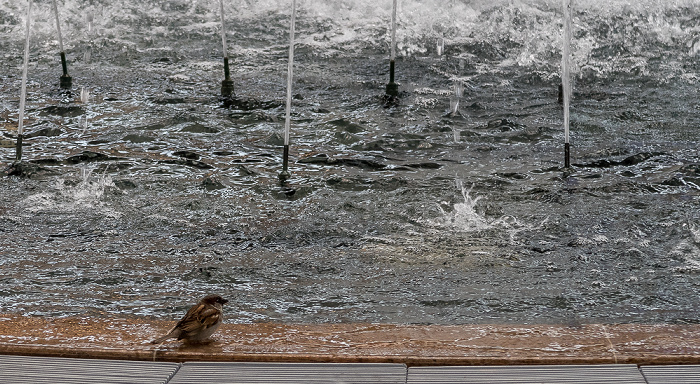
pixel 152 193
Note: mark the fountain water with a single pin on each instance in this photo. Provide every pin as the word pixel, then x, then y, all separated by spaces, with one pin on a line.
pixel 66 81
pixel 226 84
pixel 392 89
pixel 85 99
pixel 464 215
pixel 284 175
pixel 90 18
pixel 455 99
pixel 566 78
pixel 378 233
pixel 23 95
pixel 458 89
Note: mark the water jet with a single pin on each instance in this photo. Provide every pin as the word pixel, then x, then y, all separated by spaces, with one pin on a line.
pixel 23 96
pixel 454 99
pixel 284 175
pixel 440 46
pixel 392 89
pixel 66 81
pixel 565 78
pixel 227 83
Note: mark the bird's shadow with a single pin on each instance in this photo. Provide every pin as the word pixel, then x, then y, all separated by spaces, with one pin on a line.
pixel 200 343
pixel 186 345
pixel 204 348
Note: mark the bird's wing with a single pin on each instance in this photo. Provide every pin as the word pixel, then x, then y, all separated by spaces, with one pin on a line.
pixel 209 317
pixel 198 317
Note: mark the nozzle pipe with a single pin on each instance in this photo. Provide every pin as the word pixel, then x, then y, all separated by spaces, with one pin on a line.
pixel 64 64
pixel 66 80
pixel 392 66
pixel 227 83
pixel 392 89
pixel 18 149
pixel 284 175
pixel 227 71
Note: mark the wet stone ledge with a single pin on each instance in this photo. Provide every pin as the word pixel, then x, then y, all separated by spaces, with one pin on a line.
pixel 414 345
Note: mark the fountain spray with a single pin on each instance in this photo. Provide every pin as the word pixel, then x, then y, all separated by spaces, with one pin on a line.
pixel 227 83
pixel 66 82
pixel 23 96
pixel 565 80
pixel 284 175
pixel 392 89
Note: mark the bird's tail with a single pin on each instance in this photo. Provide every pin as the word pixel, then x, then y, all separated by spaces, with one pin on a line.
pixel 175 332
pixel 160 339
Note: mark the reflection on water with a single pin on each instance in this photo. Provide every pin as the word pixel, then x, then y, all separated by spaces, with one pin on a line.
pixel 144 191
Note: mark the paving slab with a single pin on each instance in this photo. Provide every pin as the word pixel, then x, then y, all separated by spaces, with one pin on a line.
pixel 469 344
pixel 530 374
pixel 32 369
pixel 50 370
pixel 676 374
pixel 289 373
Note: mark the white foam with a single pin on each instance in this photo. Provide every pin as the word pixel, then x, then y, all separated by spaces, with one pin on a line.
pixel 87 194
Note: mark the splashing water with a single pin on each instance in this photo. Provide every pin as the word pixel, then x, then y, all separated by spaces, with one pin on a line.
pixel 85 195
pixel 454 105
pixel 688 249
pixel 85 99
pixel 464 215
pixel 458 88
pixel 84 95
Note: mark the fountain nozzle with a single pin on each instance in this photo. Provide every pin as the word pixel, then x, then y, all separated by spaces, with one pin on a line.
pixel 392 89
pixel 66 81
pixel 18 151
pixel 227 83
pixel 285 175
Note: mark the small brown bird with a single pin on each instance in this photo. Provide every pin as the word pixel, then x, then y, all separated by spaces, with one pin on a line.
pixel 200 322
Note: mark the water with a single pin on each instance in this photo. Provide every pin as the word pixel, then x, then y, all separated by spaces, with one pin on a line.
pixel 58 27
pixel 223 30
pixel 407 214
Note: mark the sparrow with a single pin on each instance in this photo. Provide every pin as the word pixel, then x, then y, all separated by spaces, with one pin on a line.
pixel 200 322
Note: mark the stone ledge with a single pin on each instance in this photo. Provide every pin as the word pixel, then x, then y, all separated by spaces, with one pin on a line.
pixel 414 345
